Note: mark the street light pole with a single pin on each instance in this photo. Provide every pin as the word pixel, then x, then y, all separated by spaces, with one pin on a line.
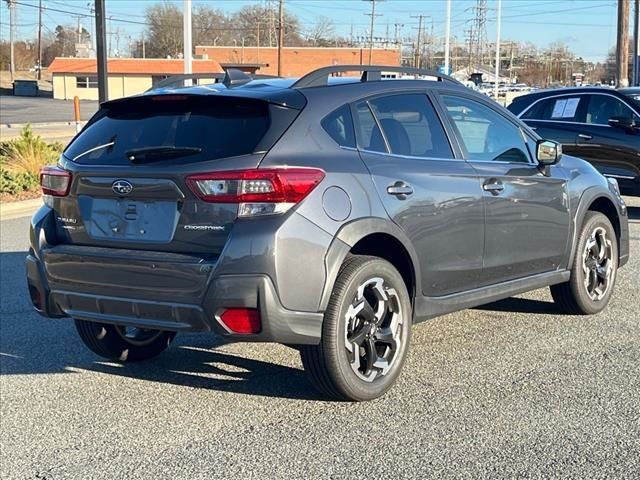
pixel 39 40
pixel 188 56
pixel 636 52
pixel 499 21
pixel 447 35
pixel 12 24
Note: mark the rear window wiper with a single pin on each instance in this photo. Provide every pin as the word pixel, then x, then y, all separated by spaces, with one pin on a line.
pixel 109 144
pixel 153 153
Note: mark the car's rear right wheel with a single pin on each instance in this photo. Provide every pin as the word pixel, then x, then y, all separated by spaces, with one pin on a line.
pixel 594 268
pixel 365 333
pixel 124 344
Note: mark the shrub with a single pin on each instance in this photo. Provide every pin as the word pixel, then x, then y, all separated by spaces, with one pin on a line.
pixel 14 183
pixel 28 153
pixel 21 160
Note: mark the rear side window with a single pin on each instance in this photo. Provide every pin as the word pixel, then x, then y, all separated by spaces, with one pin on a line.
pixel 206 128
pixel 410 124
pixel 339 125
pixel 568 109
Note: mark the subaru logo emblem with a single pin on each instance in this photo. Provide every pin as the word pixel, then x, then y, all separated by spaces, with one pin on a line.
pixel 122 187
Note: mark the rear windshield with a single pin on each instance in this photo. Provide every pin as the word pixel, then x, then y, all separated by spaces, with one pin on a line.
pixel 200 128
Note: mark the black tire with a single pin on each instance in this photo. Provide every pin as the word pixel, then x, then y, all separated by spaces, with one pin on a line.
pixel 116 343
pixel 576 296
pixel 387 332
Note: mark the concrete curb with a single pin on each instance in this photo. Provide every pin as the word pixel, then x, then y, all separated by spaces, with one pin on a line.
pixel 23 208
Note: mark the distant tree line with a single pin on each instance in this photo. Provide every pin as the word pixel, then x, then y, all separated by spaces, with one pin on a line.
pixel 258 25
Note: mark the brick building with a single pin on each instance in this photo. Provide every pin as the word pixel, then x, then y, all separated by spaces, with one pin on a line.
pixel 296 61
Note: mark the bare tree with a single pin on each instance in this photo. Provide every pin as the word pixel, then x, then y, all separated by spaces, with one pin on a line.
pixel 165 30
pixel 323 32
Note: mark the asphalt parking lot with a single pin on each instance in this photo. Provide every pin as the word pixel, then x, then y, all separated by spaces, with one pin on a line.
pixel 512 389
pixel 42 110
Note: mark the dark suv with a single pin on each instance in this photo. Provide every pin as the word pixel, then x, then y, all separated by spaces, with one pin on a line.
pixel 597 124
pixel 328 214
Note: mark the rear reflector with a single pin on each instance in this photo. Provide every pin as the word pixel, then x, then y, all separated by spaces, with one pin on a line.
pixel 55 181
pixel 258 191
pixel 241 320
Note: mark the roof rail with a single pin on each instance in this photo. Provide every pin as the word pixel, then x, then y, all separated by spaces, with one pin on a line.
pixel 370 73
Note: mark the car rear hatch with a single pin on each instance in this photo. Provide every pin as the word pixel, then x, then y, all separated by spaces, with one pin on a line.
pixel 130 166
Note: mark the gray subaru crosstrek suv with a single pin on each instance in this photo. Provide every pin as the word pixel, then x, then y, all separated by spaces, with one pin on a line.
pixel 328 214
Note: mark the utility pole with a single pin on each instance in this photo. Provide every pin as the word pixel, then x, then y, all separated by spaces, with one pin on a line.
pixel 143 49
pixel 12 25
pixel 101 54
pixel 280 35
pixel 93 35
pixel 636 39
pixel 447 35
pixel 499 21
pixel 40 40
pixel 622 47
pixel 187 33
pixel 417 55
pixel 373 16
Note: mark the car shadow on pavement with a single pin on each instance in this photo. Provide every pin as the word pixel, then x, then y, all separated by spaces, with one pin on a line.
pixel 31 344
pixel 522 305
pixel 213 368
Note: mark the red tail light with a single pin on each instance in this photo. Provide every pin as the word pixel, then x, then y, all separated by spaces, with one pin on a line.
pixel 241 320
pixel 258 191
pixel 55 181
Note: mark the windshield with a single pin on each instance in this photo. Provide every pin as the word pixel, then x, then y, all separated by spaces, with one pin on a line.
pixel 188 129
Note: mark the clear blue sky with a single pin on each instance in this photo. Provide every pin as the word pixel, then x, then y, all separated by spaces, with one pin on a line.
pixel 587 26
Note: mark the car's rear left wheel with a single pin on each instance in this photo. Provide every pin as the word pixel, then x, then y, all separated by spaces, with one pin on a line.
pixel 365 333
pixel 124 344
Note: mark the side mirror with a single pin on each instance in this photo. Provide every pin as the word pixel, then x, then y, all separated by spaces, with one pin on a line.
pixel 625 123
pixel 548 152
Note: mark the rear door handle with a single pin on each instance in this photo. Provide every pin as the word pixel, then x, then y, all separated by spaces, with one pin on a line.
pixel 493 186
pixel 584 136
pixel 400 189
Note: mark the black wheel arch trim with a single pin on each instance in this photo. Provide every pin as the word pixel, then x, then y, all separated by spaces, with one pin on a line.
pixel 349 235
pixel 587 199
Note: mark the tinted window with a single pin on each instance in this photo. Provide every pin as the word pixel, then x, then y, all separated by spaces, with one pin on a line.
pixel 369 136
pixel 602 107
pixel 339 126
pixel 557 108
pixel 220 127
pixel 411 126
pixel 485 134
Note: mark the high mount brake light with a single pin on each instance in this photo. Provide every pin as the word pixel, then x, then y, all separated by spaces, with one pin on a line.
pixel 258 191
pixel 55 181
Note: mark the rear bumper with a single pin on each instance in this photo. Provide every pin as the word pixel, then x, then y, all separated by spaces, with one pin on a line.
pixel 160 291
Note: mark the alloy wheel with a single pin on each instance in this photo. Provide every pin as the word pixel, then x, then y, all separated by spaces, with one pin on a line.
pixel 597 264
pixel 373 328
